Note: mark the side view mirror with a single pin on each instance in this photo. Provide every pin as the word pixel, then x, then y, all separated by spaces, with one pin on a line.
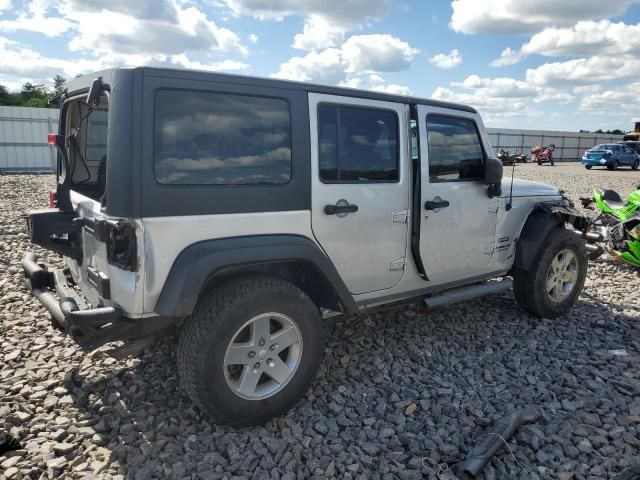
pixel 97 88
pixel 493 176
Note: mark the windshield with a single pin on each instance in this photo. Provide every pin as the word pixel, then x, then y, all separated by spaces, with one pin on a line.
pixel 602 146
pixel 86 145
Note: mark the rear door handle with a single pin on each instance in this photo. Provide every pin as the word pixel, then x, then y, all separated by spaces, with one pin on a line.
pixel 338 209
pixel 435 204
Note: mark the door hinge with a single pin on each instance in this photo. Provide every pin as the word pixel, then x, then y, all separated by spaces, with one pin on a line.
pixel 401 216
pixel 397 264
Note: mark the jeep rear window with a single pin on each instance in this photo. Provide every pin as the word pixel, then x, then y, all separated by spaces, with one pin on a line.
pixel 221 139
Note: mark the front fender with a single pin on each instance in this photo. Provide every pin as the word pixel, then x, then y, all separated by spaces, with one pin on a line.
pixel 545 217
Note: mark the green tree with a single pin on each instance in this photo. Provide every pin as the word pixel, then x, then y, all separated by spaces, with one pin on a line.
pixel 5 96
pixel 35 95
pixel 58 84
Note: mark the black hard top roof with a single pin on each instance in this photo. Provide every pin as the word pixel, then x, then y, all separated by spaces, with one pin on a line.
pixel 291 85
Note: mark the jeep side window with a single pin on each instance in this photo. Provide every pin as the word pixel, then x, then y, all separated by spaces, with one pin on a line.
pixel 221 139
pixel 454 149
pixel 357 144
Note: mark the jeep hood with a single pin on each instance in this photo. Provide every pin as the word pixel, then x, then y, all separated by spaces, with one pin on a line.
pixel 527 188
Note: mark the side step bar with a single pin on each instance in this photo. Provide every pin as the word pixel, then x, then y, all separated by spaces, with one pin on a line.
pixel 467 293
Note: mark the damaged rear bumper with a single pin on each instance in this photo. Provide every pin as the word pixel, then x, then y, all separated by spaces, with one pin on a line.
pixel 89 327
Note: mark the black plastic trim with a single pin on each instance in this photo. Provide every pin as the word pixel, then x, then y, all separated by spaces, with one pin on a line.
pixel 196 266
pixel 535 231
pixel 417 200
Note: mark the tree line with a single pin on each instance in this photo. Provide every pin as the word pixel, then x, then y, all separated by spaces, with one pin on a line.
pixel 33 95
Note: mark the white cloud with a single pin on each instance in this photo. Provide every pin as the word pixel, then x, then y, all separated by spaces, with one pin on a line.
pixel 346 13
pixel 35 18
pixel 507 57
pixel 447 60
pixel 326 66
pixel 5 5
pixel 501 98
pixel 614 102
pixel 354 82
pixel 317 33
pixel 584 71
pixel 377 53
pixel 585 39
pixel 253 38
pixel 588 38
pixel 393 89
pixel 326 22
pixel 120 34
pixel 526 16
pixel 358 55
pixel 222 66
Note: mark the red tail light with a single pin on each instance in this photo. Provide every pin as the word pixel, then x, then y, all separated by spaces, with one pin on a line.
pixel 52 139
pixel 52 199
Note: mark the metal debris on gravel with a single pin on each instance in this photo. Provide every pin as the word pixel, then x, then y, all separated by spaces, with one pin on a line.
pixel 400 393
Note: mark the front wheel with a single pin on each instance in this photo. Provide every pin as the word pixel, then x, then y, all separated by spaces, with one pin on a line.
pixel 250 350
pixel 635 164
pixel 588 167
pixel 555 281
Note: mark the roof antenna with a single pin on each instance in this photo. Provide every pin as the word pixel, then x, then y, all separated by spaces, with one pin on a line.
pixel 513 170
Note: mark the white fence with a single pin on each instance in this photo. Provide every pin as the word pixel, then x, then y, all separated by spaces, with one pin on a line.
pixel 23 140
pixel 569 145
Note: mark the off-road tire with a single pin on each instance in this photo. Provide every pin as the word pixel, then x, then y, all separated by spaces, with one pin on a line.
pixel 205 335
pixel 529 286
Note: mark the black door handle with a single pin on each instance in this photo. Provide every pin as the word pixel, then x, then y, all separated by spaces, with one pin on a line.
pixel 333 209
pixel 430 205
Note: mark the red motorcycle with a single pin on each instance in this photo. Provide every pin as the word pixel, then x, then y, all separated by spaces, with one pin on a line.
pixel 542 154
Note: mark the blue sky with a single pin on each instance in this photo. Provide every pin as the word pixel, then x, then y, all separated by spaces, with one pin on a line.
pixel 548 64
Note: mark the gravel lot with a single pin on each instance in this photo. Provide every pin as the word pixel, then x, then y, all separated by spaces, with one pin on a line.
pixel 399 392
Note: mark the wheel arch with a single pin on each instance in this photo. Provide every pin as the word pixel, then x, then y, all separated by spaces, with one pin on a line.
pixel 542 220
pixel 296 259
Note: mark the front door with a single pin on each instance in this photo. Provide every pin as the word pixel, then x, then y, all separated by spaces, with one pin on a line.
pixel 360 188
pixel 458 224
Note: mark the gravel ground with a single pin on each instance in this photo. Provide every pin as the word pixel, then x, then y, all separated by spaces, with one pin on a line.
pixel 399 393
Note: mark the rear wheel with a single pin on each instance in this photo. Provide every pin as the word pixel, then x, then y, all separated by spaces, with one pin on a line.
pixel 635 164
pixel 554 283
pixel 250 350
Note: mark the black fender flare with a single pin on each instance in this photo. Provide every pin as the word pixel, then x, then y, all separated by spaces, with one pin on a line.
pixel 541 221
pixel 535 231
pixel 198 264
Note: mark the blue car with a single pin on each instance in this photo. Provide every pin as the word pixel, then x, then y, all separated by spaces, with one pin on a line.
pixel 610 155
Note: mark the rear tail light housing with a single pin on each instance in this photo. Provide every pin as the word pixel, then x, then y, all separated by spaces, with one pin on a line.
pixel 122 246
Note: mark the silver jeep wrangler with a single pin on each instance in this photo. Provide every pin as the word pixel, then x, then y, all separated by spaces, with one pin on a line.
pixel 244 210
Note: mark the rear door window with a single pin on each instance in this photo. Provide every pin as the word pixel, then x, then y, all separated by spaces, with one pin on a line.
pixel 221 139
pixel 357 144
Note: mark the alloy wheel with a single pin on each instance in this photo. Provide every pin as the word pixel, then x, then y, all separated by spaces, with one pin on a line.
pixel 562 275
pixel 263 356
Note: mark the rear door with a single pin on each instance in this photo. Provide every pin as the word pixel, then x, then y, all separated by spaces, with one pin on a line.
pixel 458 224
pixel 360 188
